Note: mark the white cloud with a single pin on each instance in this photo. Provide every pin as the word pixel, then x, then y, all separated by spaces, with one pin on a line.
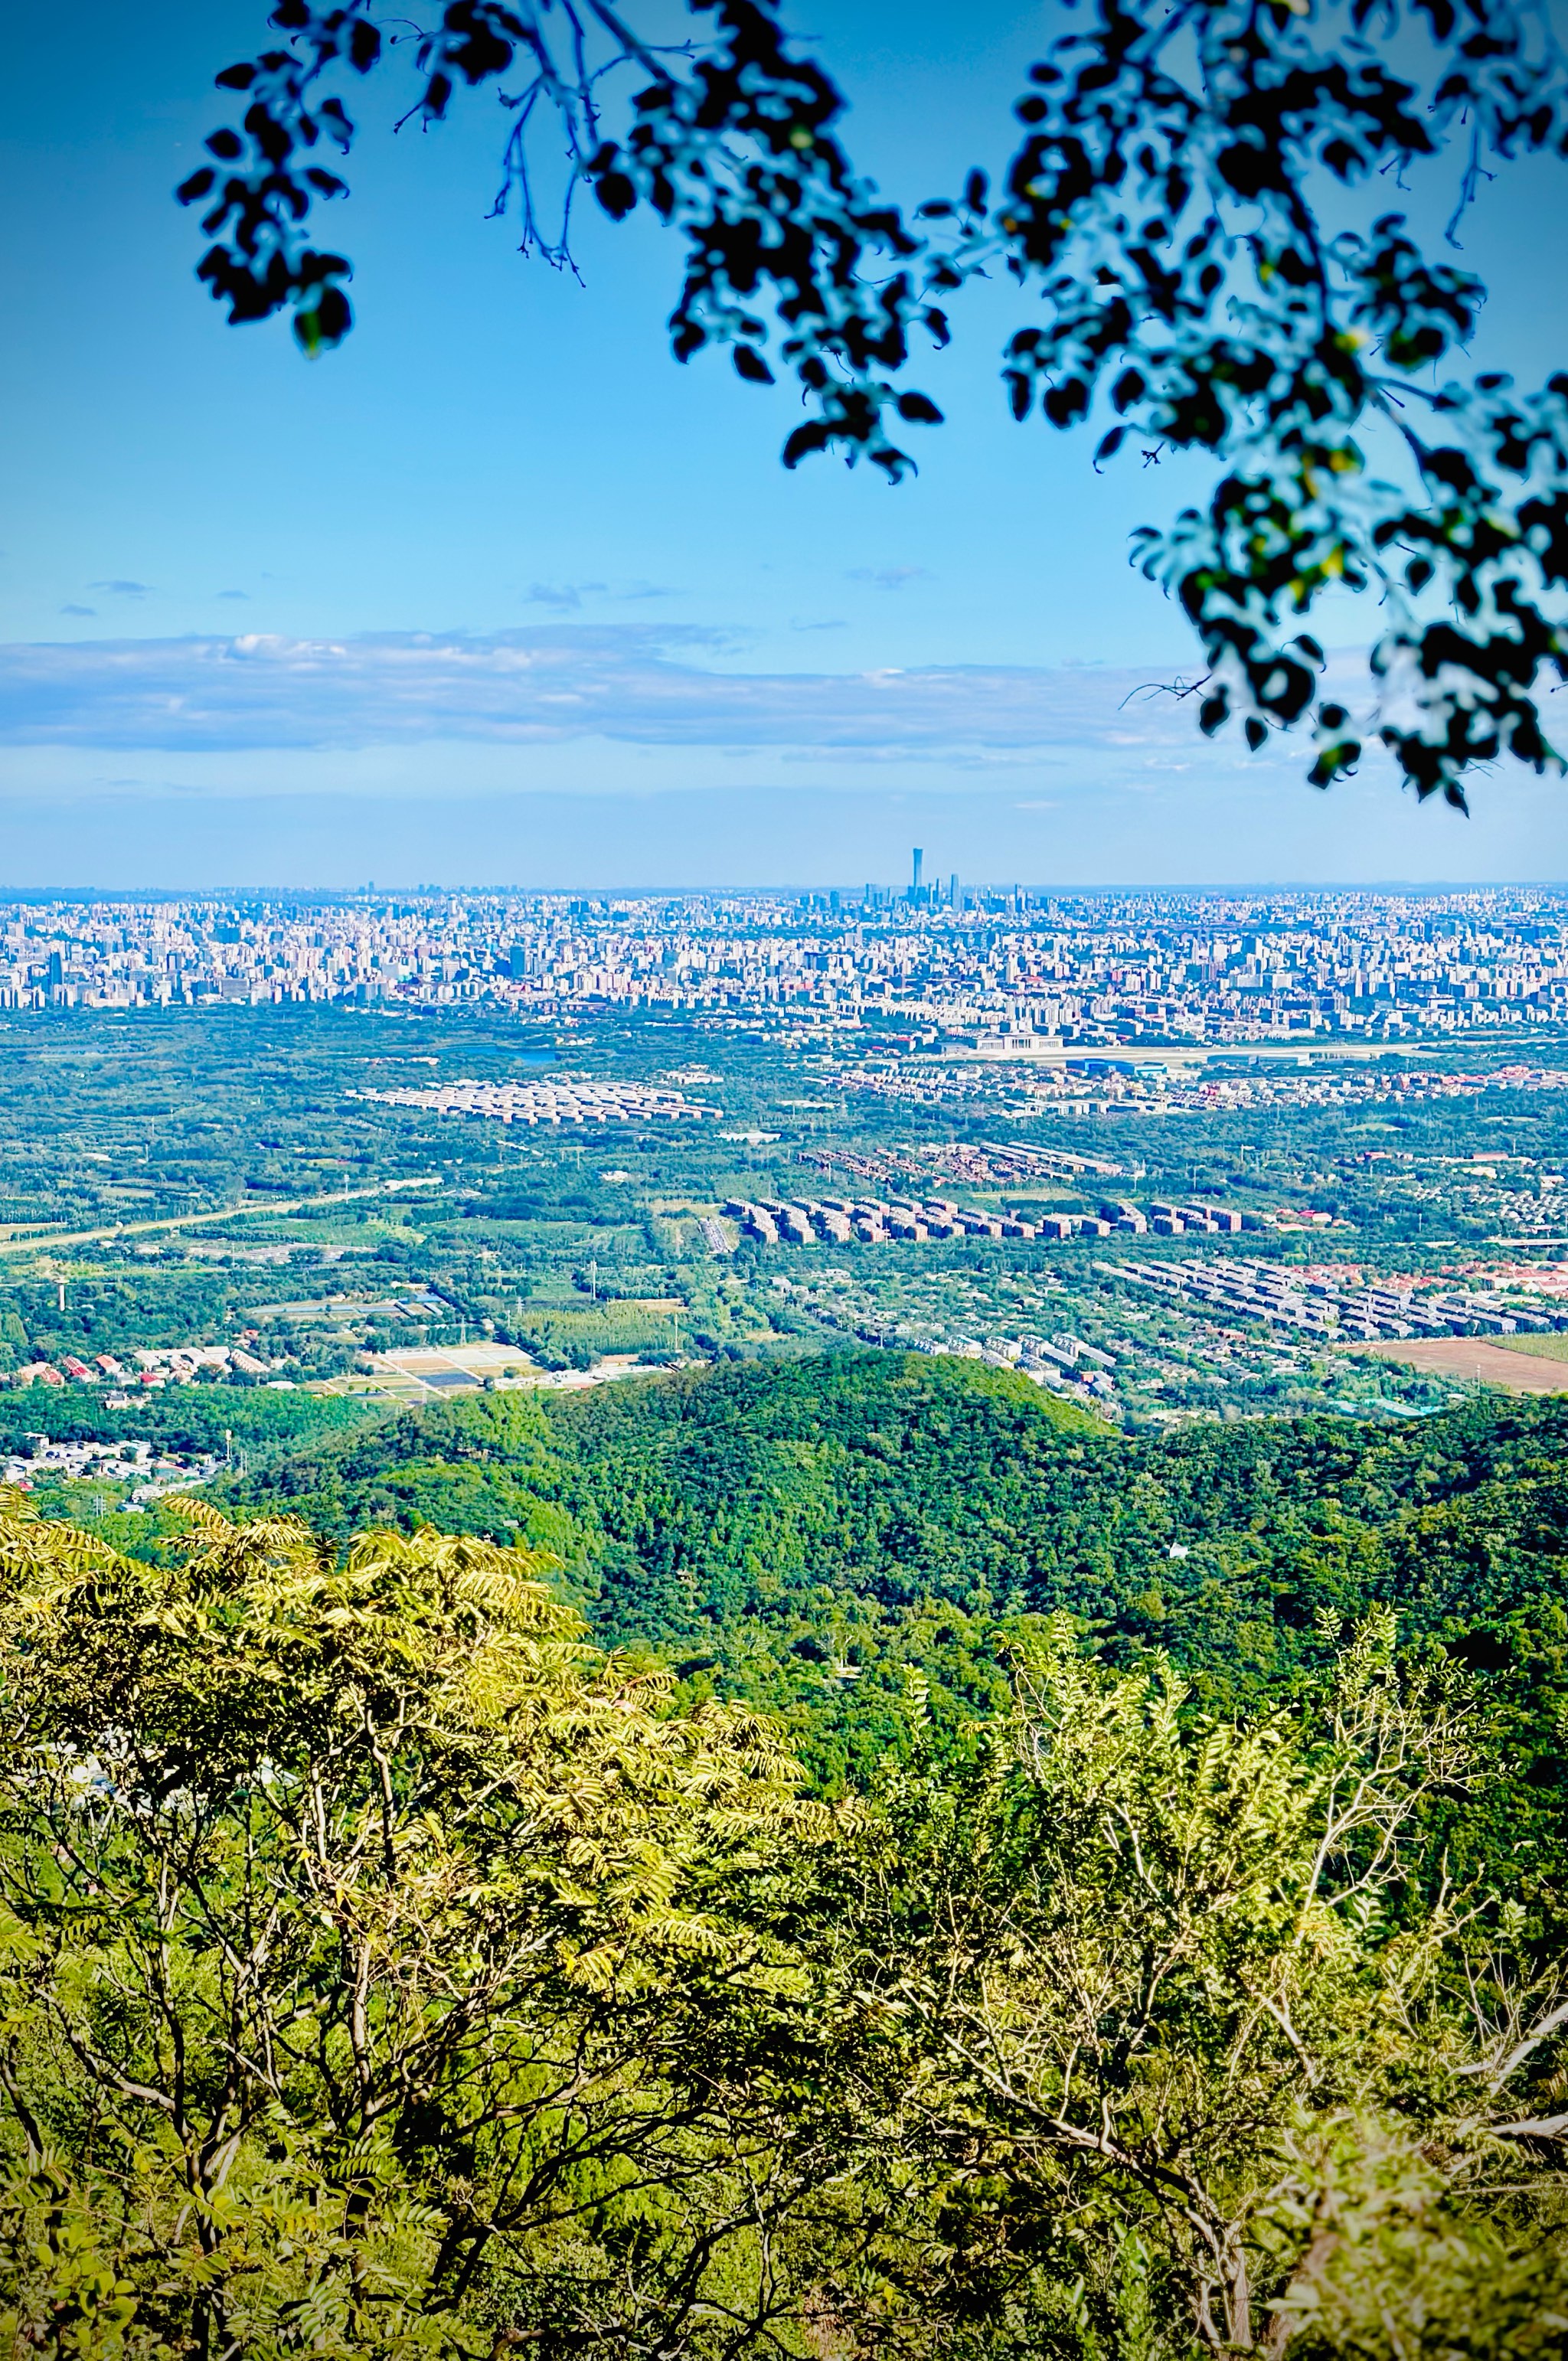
pixel 634 684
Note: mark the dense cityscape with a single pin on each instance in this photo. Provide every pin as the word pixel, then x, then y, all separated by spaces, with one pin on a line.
pixel 995 972
pixel 894 1126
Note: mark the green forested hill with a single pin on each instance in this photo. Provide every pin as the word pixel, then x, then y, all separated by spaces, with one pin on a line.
pixel 810 1533
pixel 558 1932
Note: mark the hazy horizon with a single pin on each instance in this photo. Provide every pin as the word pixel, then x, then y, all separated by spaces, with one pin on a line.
pixel 382 889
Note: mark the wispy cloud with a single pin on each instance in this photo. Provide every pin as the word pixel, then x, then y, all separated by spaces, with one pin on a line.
pixel 234 594
pixel 565 598
pixel 73 610
pixel 888 578
pixel 122 589
pixel 568 597
pixel 633 683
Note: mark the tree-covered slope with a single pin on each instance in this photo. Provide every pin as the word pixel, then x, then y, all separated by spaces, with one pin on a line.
pixel 813 1534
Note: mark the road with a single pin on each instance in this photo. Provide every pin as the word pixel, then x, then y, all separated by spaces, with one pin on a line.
pixel 47 1242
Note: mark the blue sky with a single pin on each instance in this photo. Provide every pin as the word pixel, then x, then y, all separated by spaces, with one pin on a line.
pixel 499 594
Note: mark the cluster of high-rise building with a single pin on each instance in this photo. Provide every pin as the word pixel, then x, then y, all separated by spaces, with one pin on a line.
pixel 994 974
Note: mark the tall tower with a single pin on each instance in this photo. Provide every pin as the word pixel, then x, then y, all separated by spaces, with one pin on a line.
pixel 914 888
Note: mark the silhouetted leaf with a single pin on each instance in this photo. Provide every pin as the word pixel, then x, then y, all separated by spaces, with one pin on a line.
pixel 616 194
pixel 1266 351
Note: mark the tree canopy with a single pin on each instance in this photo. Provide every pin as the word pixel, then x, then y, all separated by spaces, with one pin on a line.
pixel 384 1971
pixel 1165 213
pixel 353 1913
pixel 805 1535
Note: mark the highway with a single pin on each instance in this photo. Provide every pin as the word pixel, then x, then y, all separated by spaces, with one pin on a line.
pixel 47 1242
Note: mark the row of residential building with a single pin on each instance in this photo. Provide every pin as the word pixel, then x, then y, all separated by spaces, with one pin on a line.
pixel 1286 1299
pixel 167 1365
pixel 878 1221
pixel 549 1102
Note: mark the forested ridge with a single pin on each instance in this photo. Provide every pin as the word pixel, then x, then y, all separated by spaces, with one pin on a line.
pixel 802 1535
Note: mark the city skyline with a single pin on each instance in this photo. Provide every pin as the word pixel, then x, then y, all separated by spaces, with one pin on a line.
pixel 972 971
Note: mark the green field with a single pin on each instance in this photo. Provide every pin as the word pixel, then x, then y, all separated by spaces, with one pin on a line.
pixel 1546 1346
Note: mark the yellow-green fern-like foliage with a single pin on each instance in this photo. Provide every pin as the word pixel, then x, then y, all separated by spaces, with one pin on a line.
pixel 383 1969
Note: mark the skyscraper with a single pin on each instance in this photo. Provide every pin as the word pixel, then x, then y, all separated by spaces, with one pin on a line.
pixel 914 888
